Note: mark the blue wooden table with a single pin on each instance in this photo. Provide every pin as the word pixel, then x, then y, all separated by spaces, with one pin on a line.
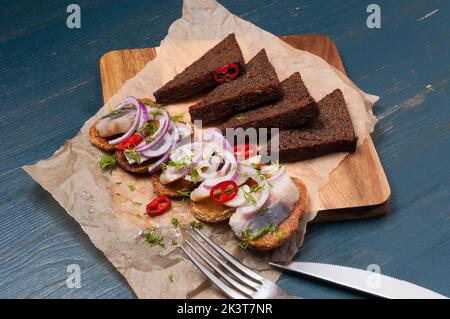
pixel 50 85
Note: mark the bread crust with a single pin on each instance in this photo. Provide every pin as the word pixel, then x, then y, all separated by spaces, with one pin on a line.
pixel 170 190
pixel 210 212
pixel 122 162
pixel 287 227
pixel 98 141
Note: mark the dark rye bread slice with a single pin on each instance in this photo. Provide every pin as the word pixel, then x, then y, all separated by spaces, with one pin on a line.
pixel 296 108
pixel 331 132
pixel 258 85
pixel 199 76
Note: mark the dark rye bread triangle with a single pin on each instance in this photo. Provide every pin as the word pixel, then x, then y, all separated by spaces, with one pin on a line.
pixel 199 76
pixel 296 108
pixel 331 132
pixel 258 85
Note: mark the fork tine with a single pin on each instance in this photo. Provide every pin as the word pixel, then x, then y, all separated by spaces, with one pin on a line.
pixel 230 258
pixel 237 274
pixel 225 288
pixel 230 280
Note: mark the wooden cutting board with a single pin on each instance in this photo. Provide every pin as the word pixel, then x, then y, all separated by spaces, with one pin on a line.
pixel 358 187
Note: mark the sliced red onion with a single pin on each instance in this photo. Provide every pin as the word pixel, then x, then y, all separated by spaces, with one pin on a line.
pixel 249 210
pixel 214 133
pixel 280 173
pixel 164 124
pixel 239 200
pixel 156 167
pixel 129 100
pixel 211 171
pixel 160 148
pixel 144 114
pixel 230 163
pixel 244 174
pixel 208 185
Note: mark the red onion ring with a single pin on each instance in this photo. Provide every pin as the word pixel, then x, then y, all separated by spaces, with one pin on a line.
pixel 129 100
pixel 144 114
pixel 164 123
pixel 248 211
pixel 156 167
pixel 280 173
pixel 230 177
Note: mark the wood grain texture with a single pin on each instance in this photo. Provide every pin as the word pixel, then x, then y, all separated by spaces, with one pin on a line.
pixel 358 185
pixel 50 85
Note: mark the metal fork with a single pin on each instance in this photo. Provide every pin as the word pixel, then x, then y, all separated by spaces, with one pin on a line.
pixel 235 279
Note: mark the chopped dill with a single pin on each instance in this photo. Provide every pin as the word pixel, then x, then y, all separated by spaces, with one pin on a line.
pixel 171 277
pixel 132 188
pixel 132 154
pixel 107 162
pixel 147 129
pixel 154 239
pixel 177 117
pixel 175 222
pixel 137 204
pixel 173 242
pixel 247 235
pixel 184 194
pixel 196 224
pixel 151 103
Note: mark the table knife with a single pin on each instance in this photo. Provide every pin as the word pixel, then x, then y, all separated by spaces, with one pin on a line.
pixel 362 280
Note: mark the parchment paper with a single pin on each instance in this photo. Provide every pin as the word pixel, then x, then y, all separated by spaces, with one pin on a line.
pixel 111 213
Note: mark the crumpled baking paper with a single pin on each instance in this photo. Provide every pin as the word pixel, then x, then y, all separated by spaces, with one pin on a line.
pixel 111 211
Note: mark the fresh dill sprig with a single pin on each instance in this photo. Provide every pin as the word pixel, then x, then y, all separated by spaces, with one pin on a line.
pixel 132 188
pixel 154 239
pixel 247 235
pixel 156 113
pixel 107 162
pixel 177 117
pixel 137 204
pixel 151 103
pixel 175 222
pixel 173 242
pixel 132 154
pixel 171 277
pixel 184 194
pixel 196 224
pixel 147 129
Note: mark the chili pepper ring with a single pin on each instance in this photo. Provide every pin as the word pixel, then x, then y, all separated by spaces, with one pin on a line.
pixel 223 190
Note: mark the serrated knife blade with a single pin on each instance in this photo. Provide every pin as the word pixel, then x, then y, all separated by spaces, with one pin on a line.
pixel 362 280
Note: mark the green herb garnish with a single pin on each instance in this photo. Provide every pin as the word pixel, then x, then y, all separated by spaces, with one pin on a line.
pixel 177 117
pixel 281 234
pixel 173 242
pixel 184 194
pixel 137 204
pixel 194 174
pixel 154 239
pixel 247 235
pixel 156 113
pixel 147 129
pixel 107 162
pixel 132 154
pixel 195 224
pixel 132 188
pixel 178 165
pixel 175 222
pixel 171 277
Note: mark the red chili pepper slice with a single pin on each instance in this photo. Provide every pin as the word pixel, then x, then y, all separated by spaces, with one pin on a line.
pixel 158 206
pixel 130 142
pixel 226 73
pixel 223 192
pixel 245 150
